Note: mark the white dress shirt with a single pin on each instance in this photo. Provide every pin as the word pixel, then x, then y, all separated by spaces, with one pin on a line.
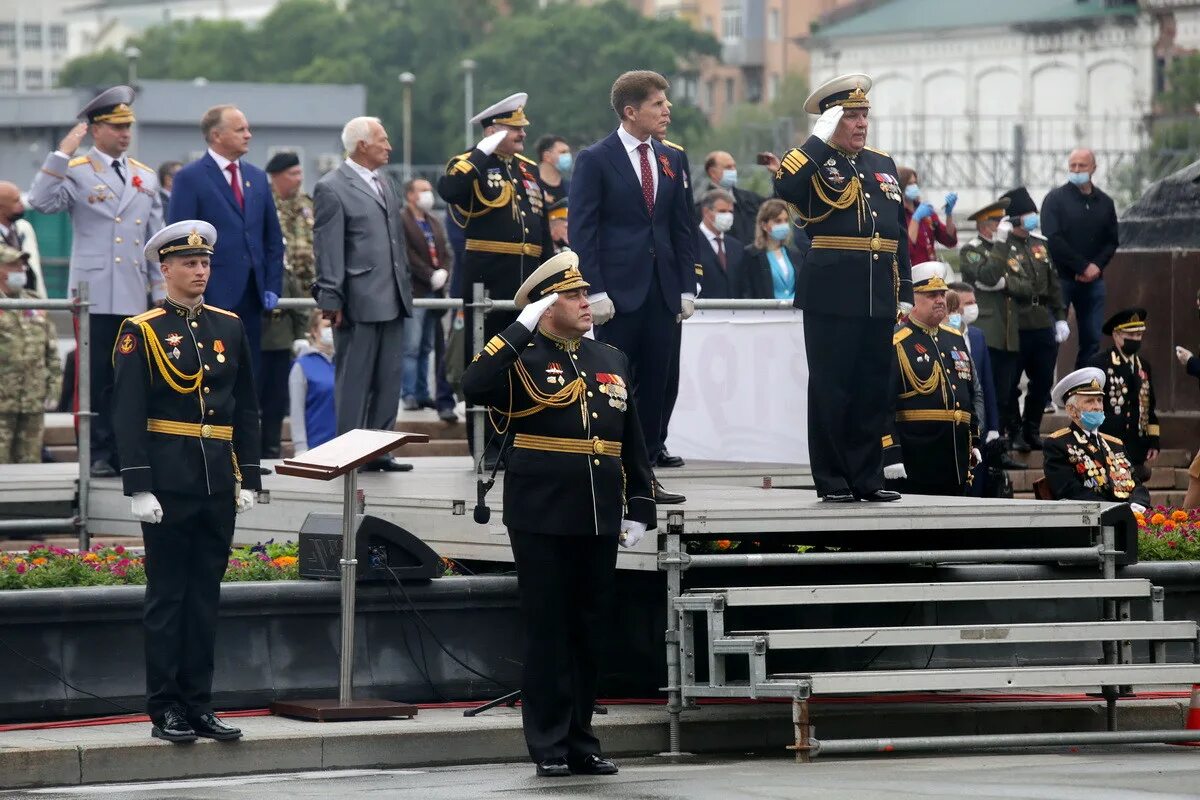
pixel 223 165
pixel 711 236
pixel 635 158
pixel 369 177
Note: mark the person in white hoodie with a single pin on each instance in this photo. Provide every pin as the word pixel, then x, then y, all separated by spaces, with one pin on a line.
pixel 310 387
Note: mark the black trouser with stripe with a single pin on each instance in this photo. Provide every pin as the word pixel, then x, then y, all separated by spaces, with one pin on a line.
pixel 186 557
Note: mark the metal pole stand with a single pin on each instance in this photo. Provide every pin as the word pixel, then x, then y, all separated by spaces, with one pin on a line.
pixel 673 562
pixel 83 416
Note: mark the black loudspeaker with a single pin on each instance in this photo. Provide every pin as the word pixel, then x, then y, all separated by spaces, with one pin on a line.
pixel 384 549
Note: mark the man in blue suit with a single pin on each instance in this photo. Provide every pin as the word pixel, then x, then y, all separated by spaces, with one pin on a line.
pixel 235 198
pixel 631 226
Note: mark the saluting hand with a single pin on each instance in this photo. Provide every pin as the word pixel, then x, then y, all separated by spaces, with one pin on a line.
pixel 530 315
pixel 827 123
pixel 1003 230
pixel 73 139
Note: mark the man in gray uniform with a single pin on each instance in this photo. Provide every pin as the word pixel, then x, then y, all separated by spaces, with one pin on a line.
pixel 115 208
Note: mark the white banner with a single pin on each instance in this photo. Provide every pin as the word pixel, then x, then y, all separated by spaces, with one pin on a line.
pixel 743 388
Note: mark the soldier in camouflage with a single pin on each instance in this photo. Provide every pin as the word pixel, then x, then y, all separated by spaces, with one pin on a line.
pixel 30 372
pixel 282 328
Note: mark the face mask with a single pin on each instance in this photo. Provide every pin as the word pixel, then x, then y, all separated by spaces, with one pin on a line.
pixel 564 162
pixel 970 313
pixel 912 192
pixel 16 281
pixel 326 337
pixel 1029 221
pixel 780 231
pixel 425 201
pixel 722 221
pixel 1091 420
pixel 1079 178
pixel 1131 346
pixel 729 178
pixel 954 320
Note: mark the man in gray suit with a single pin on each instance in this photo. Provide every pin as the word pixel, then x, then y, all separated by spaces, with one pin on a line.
pixel 363 286
pixel 115 208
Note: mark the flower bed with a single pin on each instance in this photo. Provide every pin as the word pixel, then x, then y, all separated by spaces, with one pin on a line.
pixel 1168 534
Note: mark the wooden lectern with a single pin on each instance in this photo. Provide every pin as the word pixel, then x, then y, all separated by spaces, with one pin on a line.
pixel 341 457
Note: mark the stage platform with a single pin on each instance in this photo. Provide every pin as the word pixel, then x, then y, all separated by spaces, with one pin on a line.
pixel 436 501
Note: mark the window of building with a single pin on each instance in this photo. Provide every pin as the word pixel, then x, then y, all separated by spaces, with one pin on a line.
pixel 773 24
pixel 731 24
pixel 708 23
pixel 58 37
pixel 35 80
pixel 33 36
pixel 8 34
pixel 773 87
pixel 710 94
pixel 8 79
pixel 55 77
pixel 729 91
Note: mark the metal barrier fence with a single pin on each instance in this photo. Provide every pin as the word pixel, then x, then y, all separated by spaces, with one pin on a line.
pixel 79 305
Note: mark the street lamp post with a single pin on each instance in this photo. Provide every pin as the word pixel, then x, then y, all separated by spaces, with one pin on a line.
pixel 468 66
pixel 406 80
pixel 132 54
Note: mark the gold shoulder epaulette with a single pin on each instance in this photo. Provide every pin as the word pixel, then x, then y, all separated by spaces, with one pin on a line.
pixel 948 329
pixel 669 143
pixel 79 161
pixel 137 163
pixel 879 152
pixel 146 316
pixel 900 335
pixel 1114 439
pixel 221 311
pixel 525 158
pixel 459 164
pixel 1059 433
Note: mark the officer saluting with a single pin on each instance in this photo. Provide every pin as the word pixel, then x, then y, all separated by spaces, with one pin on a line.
pixel 186 420
pixel 494 195
pixel 578 479
pixel 115 208
pixel 931 444
pixel 848 199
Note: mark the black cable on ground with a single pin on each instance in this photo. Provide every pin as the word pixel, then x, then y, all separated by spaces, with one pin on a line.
pixel 64 681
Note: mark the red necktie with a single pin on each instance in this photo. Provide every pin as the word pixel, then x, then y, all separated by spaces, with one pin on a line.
pixel 236 185
pixel 721 251
pixel 647 178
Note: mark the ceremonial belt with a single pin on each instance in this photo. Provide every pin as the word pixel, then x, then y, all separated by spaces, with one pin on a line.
pixel 195 429
pixel 554 444
pixel 873 244
pixel 508 248
pixel 933 415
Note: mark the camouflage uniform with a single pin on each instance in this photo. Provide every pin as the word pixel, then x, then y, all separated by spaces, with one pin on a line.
pixel 296 221
pixel 30 373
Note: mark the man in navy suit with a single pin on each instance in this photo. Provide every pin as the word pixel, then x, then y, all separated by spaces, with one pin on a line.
pixel 235 198
pixel 631 225
pixel 718 253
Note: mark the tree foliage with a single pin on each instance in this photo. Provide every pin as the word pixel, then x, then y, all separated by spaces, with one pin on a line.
pixel 566 56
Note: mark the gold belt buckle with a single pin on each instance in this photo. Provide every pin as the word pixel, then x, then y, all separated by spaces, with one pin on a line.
pixel 206 431
pixel 598 447
pixel 876 244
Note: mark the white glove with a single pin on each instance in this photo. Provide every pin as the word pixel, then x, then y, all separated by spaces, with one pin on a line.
pixel 438 279
pixel 297 345
pixel 904 308
pixel 997 287
pixel 602 308
pixel 828 122
pixel 1183 355
pixel 991 437
pixel 894 472
pixel 976 457
pixel 245 500
pixel 687 306
pixel 631 533
pixel 1002 231
pixel 488 144
pixel 1138 508
pixel 145 508
pixel 1062 331
pixel 531 313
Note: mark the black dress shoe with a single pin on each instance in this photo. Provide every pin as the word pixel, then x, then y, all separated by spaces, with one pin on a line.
pixel 593 765
pixel 1019 444
pixel 665 459
pixel 1008 462
pixel 103 469
pixel 839 497
pixel 447 415
pixel 426 403
pixel 664 498
pixel 1033 440
pixel 208 726
pixel 172 726
pixel 553 768
pixel 386 465
pixel 880 496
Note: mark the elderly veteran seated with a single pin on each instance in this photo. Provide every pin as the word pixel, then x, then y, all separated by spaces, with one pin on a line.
pixel 1081 463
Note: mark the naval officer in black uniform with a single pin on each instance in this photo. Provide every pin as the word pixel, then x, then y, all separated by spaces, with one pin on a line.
pixel 578 481
pixel 494 196
pixel 186 423
pixel 848 200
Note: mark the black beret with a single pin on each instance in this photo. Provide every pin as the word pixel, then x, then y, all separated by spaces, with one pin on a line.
pixel 281 161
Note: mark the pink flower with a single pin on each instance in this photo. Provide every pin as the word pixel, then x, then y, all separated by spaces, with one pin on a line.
pixel 119 550
pixel 20 569
pixel 236 563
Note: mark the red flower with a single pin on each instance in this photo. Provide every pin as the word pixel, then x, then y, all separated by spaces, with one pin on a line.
pixel 1171 545
pixel 137 181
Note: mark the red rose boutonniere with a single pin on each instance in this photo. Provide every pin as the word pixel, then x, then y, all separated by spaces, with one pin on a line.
pixel 666 167
pixel 137 182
